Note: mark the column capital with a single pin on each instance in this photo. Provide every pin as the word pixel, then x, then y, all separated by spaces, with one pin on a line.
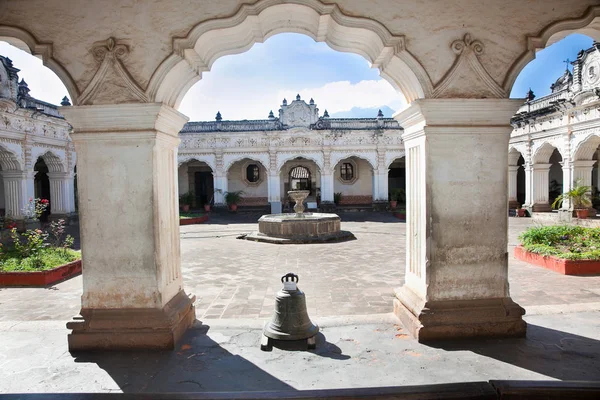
pixel 463 113
pixel 541 167
pixel 60 175
pixel 124 120
pixel 513 168
pixel 583 163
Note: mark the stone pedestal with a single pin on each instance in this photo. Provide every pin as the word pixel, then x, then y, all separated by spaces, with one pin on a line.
pixel 132 287
pixel 456 281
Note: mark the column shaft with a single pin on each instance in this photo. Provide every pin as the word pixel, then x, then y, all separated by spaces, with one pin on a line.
pixel 274 191
pixel 513 170
pixel 540 179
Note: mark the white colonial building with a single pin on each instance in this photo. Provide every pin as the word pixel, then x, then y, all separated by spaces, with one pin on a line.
pixel 300 149
pixel 37 158
pixel 556 137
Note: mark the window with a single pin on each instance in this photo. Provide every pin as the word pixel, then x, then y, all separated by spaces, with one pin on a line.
pixel 252 173
pixel 347 171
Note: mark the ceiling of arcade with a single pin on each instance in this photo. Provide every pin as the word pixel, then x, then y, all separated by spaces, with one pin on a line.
pixel 454 48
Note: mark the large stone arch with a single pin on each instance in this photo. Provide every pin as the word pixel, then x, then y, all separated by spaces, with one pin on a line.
pixel 514 152
pixel 255 23
pixel 209 159
pixel 25 41
pixel 587 24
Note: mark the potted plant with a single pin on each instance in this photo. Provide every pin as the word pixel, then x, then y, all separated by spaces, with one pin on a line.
pixel 397 196
pixel 580 197
pixel 186 201
pixel 233 198
pixel 337 198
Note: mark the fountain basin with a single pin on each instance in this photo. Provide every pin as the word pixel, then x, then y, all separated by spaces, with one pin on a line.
pixel 292 229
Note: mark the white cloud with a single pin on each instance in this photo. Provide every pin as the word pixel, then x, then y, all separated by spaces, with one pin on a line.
pixel 246 99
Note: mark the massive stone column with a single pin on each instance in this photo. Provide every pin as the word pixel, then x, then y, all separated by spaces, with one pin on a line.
pixel 456 282
pixel 127 181
pixel 540 181
pixel 61 193
pixel 513 171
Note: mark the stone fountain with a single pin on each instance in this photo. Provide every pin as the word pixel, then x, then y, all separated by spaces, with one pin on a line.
pixel 299 227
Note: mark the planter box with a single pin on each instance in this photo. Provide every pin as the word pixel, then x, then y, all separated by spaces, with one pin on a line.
pixel 560 265
pixel 41 278
pixel 192 221
pixel 400 215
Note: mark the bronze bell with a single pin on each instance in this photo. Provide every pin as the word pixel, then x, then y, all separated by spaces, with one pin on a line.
pixel 291 321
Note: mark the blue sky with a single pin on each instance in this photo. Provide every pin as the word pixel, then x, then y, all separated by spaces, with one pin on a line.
pixel 249 85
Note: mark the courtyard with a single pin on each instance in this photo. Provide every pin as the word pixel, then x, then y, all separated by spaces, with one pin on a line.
pixel 349 288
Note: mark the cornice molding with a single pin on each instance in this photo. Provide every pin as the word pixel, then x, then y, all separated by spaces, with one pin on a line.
pixel 125 118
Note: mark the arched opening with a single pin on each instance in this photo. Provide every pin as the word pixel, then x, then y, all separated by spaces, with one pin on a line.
pixel 353 178
pixel 516 179
pixel 196 184
pixel 300 174
pixel 397 182
pixel 250 177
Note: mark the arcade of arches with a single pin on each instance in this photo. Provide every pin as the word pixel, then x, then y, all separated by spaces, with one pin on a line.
pixel 455 66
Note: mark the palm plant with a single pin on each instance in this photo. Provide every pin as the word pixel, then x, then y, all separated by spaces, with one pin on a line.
pixel 580 196
pixel 233 197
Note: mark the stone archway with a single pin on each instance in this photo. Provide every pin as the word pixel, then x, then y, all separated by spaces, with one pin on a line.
pixel 354 178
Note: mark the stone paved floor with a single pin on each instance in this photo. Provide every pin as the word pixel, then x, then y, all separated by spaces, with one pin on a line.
pixel 238 279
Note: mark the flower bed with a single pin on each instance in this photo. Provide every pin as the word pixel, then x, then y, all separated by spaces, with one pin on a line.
pixel 569 250
pixel 37 257
pixel 192 218
pixel 41 278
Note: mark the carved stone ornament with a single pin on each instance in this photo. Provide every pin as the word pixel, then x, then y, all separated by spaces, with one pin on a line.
pixel 111 83
pixel 468 78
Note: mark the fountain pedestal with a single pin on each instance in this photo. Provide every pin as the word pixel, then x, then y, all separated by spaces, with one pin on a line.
pixel 300 227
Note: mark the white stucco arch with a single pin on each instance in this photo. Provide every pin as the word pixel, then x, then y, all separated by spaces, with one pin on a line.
pixel 585 145
pixel 514 153
pixel 254 23
pixel 11 155
pixel 208 159
pixel 230 158
pixel 337 156
pixel 391 156
pixel 316 157
pixel 542 151
pixel 55 159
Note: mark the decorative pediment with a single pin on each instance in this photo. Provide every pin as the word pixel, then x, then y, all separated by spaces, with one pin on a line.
pixel 112 83
pixel 468 78
pixel 298 113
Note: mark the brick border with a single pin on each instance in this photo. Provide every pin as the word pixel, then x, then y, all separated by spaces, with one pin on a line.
pixel 193 221
pixel 560 265
pixel 41 278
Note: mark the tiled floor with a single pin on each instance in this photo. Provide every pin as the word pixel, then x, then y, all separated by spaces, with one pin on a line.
pixel 238 279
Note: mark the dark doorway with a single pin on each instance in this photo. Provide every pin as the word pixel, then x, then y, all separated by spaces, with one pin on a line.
pixel 203 184
pixel 397 175
pixel 42 186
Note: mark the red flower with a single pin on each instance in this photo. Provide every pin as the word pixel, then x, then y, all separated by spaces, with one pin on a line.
pixel 12 225
pixel 44 201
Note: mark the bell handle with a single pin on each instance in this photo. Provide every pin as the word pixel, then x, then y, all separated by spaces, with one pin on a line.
pixel 290 277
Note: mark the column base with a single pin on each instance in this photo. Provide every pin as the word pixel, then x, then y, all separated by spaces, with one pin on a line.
pixel 513 204
pixel 541 207
pixel 132 328
pixel 458 319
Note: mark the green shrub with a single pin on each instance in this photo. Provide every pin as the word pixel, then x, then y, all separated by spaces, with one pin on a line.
pixel 563 241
